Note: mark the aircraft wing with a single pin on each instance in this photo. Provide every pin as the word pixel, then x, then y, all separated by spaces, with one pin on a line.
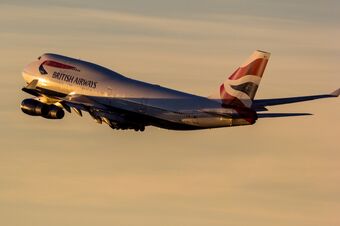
pixel 82 101
pixel 101 109
pixel 262 103
pixel 117 113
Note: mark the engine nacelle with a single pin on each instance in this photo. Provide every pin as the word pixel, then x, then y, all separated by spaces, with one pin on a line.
pixel 36 108
pixel 54 112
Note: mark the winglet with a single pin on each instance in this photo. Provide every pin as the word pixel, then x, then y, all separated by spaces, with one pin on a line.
pixel 336 93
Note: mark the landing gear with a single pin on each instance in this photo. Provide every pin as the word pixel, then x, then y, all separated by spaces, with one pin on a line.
pixel 136 128
pixel 141 128
pixel 122 124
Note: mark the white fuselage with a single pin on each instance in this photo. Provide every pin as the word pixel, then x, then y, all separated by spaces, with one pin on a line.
pixel 70 76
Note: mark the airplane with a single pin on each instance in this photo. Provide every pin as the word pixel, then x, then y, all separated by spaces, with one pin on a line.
pixel 61 83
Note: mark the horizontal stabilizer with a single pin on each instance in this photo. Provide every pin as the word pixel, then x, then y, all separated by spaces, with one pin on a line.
pixel 289 100
pixel 279 115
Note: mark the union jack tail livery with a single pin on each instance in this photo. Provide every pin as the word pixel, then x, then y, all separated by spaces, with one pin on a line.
pixel 240 88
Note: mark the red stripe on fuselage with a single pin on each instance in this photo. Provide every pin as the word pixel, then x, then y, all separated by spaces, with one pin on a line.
pixel 58 65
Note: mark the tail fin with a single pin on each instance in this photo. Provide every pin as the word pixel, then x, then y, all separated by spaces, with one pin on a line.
pixel 240 88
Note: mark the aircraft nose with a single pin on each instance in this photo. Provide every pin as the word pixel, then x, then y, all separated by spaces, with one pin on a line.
pixel 27 68
pixel 27 72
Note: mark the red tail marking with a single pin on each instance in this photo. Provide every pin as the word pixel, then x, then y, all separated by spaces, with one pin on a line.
pixel 254 68
pixel 228 99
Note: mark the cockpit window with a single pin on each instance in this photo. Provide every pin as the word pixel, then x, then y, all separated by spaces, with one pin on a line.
pixel 42 69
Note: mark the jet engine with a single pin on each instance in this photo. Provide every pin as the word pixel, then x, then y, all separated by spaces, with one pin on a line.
pixel 36 108
pixel 54 112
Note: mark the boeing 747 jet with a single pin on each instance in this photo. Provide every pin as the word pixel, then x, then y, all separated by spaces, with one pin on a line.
pixel 59 83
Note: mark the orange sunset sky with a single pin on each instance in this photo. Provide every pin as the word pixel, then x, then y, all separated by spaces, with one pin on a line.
pixel 280 171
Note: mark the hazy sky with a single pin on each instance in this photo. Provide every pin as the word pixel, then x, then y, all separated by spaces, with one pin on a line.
pixel 75 172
